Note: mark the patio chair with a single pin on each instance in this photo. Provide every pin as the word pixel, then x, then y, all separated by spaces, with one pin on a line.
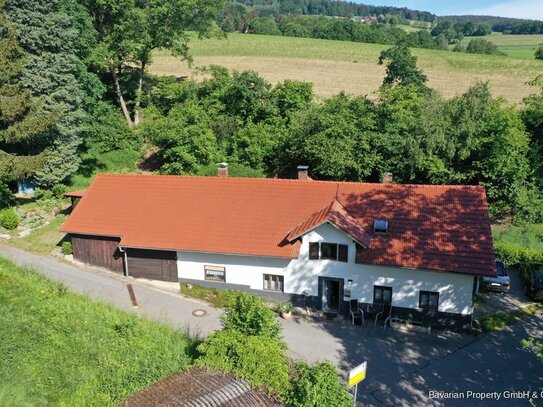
pixel 429 317
pixel 384 314
pixel 356 312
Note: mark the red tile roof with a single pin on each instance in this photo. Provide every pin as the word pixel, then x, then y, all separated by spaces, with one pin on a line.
pixel 75 194
pixel 430 227
pixel 336 214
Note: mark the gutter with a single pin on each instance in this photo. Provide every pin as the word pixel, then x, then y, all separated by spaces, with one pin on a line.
pixel 123 251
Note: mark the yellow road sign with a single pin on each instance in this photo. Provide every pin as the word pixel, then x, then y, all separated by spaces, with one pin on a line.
pixel 357 374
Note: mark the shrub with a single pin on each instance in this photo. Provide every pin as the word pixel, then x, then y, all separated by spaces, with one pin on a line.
pixel 317 386
pixel 66 248
pixel 539 53
pixel 7 198
pixel 482 46
pixel 512 254
pixel 247 314
pixel 259 359
pixel 58 190
pixel 9 219
pixel 43 194
pixel 285 307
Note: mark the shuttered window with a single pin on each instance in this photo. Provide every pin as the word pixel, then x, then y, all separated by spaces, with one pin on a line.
pixel 313 251
pixel 215 273
pixel 343 252
pixel 328 251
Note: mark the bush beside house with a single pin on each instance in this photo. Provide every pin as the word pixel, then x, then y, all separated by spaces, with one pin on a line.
pixel 250 346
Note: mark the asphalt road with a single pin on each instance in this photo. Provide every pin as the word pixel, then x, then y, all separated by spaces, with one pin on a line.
pixel 403 368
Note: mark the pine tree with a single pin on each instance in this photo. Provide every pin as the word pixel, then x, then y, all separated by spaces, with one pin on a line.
pixel 23 128
pixel 54 71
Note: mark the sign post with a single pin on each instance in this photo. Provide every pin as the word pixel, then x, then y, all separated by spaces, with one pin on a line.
pixel 356 375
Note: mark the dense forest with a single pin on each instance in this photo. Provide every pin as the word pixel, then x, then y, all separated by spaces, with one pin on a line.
pixel 331 8
pixel 77 98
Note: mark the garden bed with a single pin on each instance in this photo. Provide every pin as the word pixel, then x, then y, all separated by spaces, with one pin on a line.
pixel 409 326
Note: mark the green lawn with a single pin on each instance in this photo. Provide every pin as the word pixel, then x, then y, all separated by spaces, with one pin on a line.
pixel 58 348
pixel 334 66
pixel 515 46
pixel 529 235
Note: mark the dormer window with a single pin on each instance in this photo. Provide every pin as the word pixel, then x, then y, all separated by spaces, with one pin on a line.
pixel 328 251
pixel 380 226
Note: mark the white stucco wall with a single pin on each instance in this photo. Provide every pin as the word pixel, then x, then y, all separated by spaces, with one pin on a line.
pixel 455 290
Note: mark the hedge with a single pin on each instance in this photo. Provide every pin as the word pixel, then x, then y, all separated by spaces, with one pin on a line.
pixel 513 255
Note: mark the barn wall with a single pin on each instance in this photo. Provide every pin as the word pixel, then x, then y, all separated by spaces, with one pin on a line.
pixel 152 264
pixel 101 251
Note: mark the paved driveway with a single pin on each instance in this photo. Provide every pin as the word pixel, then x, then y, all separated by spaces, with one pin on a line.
pixel 402 368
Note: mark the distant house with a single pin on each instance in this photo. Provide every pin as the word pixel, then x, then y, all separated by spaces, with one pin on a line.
pixel 416 247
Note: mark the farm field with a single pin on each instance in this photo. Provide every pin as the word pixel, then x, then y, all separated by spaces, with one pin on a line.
pixel 333 66
pixel 515 46
pixel 59 348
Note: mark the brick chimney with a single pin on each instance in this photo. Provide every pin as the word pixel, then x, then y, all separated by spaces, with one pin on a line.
pixel 302 172
pixel 387 178
pixel 222 170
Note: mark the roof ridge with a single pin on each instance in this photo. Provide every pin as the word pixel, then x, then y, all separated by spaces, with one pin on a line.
pixel 289 180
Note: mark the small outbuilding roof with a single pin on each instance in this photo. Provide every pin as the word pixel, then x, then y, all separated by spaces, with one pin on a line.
pixel 75 194
pixel 198 388
pixel 443 227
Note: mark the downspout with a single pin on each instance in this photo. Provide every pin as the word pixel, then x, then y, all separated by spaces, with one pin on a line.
pixel 123 251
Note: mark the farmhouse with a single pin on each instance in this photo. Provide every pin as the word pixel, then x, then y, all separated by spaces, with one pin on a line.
pixel 416 247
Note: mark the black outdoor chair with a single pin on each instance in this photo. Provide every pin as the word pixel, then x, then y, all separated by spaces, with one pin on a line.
pixel 384 315
pixel 355 312
pixel 429 317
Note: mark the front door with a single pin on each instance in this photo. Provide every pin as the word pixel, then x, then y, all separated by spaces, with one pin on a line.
pixel 331 291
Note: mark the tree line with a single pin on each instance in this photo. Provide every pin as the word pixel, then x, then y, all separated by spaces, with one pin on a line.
pixel 503 25
pixel 331 8
pixel 74 86
pixel 236 17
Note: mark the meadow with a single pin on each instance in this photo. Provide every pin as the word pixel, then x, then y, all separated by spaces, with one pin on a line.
pixel 333 66
pixel 59 348
pixel 514 46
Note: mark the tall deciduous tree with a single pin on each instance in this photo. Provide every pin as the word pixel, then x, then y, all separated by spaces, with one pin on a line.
pixel 401 67
pixel 129 31
pixel 22 126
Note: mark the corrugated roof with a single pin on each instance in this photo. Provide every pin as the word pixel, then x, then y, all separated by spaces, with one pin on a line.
pixel 431 227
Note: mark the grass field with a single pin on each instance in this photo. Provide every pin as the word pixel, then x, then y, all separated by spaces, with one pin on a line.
pixel 58 348
pixel 334 66
pixel 515 46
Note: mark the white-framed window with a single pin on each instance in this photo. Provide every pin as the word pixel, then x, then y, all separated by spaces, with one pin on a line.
pixel 274 282
pixel 215 273
pixel 382 294
pixel 429 299
pixel 328 251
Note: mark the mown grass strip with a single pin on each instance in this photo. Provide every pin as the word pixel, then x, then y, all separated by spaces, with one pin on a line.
pixel 64 349
pixel 501 320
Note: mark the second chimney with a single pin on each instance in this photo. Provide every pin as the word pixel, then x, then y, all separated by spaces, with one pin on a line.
pixel 303 172
pixel 387 178
pixel 222 170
